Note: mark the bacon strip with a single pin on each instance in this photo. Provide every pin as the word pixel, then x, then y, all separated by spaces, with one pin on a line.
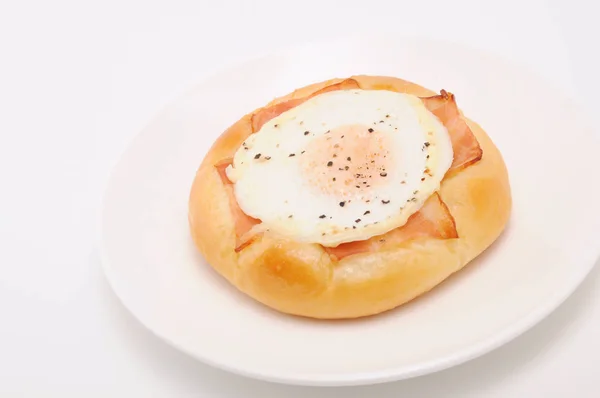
pixel 264 115
pixel 464 143
pixel 433 220
pixel 243 223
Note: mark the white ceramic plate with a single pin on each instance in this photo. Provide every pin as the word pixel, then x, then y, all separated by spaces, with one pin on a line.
pixel 550 245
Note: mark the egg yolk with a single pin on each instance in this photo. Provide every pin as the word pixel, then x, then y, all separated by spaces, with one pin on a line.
pixel 347 161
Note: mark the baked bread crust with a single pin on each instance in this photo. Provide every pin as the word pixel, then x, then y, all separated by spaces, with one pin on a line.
pixel 303 279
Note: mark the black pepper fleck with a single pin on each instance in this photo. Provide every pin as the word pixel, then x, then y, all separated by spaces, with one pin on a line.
pixel 354 227
pixel 346 167
pixel 342 204
pixel 291 155
pixel 366 212
pixel 333 178
pixel 371 130
pixel 267 157
pixel 383 174
pixel 385 202
pixel 387 115
pixel 426 144
pixel 349 159
pixel 306 132
pixel 276 125
pixel 357 220
pixel 329 164
pixel 257 156
pixel 322 216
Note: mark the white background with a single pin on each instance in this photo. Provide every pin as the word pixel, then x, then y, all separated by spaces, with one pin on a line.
pixel 78 80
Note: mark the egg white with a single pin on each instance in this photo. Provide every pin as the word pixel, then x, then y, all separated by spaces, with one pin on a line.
pixel 289 175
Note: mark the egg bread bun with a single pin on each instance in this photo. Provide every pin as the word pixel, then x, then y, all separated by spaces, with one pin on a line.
pixel 348 197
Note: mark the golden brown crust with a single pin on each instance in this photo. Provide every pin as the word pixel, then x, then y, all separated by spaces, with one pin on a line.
pixel 302 279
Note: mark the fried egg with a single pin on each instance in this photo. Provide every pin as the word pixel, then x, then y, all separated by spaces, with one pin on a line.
pixel 341 167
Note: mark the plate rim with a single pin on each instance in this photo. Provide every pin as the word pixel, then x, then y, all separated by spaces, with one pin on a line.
pixel 460 356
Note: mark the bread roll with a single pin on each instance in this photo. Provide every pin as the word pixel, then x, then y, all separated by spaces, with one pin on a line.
pixel 304 278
